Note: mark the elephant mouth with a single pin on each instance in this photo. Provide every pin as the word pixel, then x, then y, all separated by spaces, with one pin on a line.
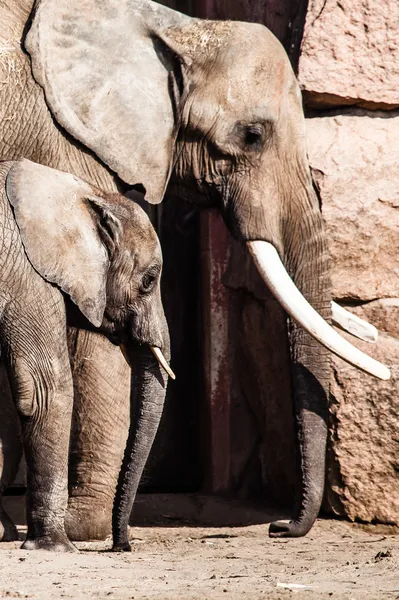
pixel 157 352
pixel 274 274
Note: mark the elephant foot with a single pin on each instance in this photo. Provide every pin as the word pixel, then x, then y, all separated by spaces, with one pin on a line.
pixel 93 523
pixel 123 547
pixel 8 531
pixel 293 529
pixel 87 524
pixel 55 543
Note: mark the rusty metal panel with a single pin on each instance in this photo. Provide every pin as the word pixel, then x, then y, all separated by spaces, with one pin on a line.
pixel 215 311
pixel 185 6
pixel 285 18
pixel 251 447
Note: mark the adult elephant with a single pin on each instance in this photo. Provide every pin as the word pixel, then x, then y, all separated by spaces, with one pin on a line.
pixel 137 93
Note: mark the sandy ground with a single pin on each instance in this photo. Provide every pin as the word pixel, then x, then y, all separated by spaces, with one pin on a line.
pixel 337 560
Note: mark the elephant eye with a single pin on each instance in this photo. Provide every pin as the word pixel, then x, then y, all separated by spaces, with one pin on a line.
pixel 147 283
pixel 253 135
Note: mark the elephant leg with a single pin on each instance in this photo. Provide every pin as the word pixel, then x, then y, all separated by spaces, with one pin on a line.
pixel 10 452
pixel 37 362
pixel 46 442
pixel 99 432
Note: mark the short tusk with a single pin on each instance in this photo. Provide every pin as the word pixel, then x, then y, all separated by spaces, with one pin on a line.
pixel 162 361
pixel 283 288
pixel 158 355
pixel 353 324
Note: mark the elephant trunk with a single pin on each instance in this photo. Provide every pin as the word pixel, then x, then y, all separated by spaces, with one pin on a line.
pixel 307 299
pixel 307 260
pixel 309 263
pixel 149 382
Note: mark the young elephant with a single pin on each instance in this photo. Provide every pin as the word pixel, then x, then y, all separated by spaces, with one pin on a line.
pixel 63 240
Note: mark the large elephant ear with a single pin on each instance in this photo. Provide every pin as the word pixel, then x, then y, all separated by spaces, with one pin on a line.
pixel 105 73
pixel 60 234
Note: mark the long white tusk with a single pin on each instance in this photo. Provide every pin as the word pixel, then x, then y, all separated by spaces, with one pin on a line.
pixel 162 361
pixel 283 288
pixel 353 324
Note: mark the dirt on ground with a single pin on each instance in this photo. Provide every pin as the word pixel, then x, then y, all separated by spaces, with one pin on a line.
pixel 337 560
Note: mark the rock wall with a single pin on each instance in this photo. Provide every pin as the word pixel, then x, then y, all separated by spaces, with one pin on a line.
pixel 354 156
pixel 350 53
pixel 349 59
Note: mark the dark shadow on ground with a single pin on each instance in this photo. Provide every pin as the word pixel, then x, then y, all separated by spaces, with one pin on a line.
pixel 179 510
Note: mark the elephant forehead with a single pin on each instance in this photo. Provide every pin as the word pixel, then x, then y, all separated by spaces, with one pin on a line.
pixel 139 232
pixel 259 58
pixel 256 42
pixel 141 237
pixel 258 83
pixel 252 74
pixel 234 100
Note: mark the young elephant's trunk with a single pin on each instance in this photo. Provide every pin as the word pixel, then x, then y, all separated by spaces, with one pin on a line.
pixel 149 382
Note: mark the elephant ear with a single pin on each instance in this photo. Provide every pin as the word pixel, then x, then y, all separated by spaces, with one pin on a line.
pixel 59 233
pixel 105 70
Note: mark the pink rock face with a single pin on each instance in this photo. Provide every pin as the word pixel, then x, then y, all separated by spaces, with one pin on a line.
pixel 384 314
pixel 350 53
pixel 363 461
pixel 354 160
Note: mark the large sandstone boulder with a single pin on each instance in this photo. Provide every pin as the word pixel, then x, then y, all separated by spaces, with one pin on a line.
pixel 350 53
pixel 354 159
pixel 363 459
pixel 354 162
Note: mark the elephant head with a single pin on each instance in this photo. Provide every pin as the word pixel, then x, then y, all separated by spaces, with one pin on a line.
pixel 213 109
pixel 103 253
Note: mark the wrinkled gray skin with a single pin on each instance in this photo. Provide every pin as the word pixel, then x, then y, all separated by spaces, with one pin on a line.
pixel 211 109
pixel 102 251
